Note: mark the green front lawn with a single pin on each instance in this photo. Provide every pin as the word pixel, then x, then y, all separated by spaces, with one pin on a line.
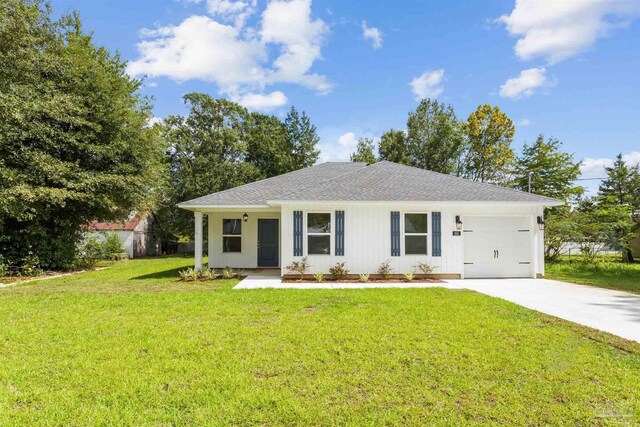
pixel 130 345
pixel 608 273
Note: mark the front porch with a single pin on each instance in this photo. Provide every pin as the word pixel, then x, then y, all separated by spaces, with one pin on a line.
pixel 239 238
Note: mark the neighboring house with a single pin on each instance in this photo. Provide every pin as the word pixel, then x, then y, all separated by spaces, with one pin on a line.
pixel 364 214
pixel 136 233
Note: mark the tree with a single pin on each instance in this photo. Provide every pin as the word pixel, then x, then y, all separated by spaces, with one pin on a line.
pixel 208 153
pixel 553 172
pixel 602 225
pixel 393 147
pixel 434 140
pixel 302 138
pixel 74 140
pixel 620 189
pixel 489 134
pixel 364 151
pixel 267 145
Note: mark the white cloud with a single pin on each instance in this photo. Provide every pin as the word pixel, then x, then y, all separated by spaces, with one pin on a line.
pixel 559 29
pixel 289 25
pixel 524 122
pixel 154 121
pixel 428 84
pixel 525 84
pixel 348 140
pixel 337 144
pixel 373 34
pixel 202 49
pixel 238 59
pixel 262 102
pixel 594 168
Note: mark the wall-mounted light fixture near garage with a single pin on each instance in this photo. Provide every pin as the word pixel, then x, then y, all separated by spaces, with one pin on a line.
pixel 458 223
pixel 540 223
pixel 245 217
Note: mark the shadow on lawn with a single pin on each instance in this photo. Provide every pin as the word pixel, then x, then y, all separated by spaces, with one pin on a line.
pixel 166 274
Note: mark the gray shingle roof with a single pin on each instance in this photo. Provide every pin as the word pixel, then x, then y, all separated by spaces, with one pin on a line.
pixel 383 181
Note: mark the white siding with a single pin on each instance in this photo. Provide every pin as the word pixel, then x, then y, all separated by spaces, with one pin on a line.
pixel 248 258
pixel 368 235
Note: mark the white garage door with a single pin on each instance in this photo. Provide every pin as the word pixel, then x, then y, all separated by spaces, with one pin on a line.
pixel 497 247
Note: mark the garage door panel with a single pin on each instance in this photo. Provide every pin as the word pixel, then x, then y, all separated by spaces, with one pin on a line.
pixel 497 247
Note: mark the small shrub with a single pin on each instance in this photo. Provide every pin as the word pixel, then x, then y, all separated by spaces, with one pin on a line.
pixel 227 273
pixel 207 274
pixel 300 267
pixel 409 277
pixel 90 250
pixel 364 277
pixel 185 274
pixel 31 266
pixel 319 277
pixel 195 273
pixel 425 268
pixel 385 269
pixel 4 269
pixel 338 271
pixel 112 246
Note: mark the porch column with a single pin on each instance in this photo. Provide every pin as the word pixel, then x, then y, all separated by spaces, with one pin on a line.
pixel 198 243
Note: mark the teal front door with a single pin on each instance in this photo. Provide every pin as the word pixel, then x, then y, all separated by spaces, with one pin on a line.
pixel 268 242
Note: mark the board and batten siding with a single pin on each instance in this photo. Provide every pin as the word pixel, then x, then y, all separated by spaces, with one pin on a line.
pixel 367 235
pixel 248 258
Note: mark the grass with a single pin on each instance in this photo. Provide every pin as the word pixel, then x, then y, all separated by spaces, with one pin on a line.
pixel 130 345
pixel 607 272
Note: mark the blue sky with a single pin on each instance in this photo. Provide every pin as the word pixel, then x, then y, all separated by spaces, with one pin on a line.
pixel 567 69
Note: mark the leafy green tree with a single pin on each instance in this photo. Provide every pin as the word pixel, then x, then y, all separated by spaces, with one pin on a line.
pixel 302 137
pixel 393 147
pixel 599 226
pixel 364 151
pixel 267 145
pixel 434 139
pixel 208 153
pixel 553 172
pixel 74 140
pixel 620 189
pixel 489 134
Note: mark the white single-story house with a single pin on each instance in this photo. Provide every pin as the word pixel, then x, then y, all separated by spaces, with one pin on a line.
pixel 365 214
pixel 136 233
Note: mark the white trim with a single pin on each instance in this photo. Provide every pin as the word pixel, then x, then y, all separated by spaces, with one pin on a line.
pixel 403 245
pixel 306 233
pixel 233 235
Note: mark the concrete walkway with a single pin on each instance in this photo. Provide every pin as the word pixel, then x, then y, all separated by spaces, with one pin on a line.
pixel 264 281
pixel 611 311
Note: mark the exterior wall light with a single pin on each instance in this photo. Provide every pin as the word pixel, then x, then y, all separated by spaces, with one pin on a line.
pixel 245 217
pixel 540 222
pixel 458 223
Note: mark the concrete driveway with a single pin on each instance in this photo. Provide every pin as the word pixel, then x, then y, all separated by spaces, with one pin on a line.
pixel 610 311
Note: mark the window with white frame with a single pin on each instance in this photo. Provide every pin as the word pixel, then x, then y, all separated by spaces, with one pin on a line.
pixel 231 235
pixel 415 233
pixel 319 233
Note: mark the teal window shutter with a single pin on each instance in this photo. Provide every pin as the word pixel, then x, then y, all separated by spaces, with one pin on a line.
pixel 436 233
pixel 297 233
pixel 339 234
pixel 395 233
